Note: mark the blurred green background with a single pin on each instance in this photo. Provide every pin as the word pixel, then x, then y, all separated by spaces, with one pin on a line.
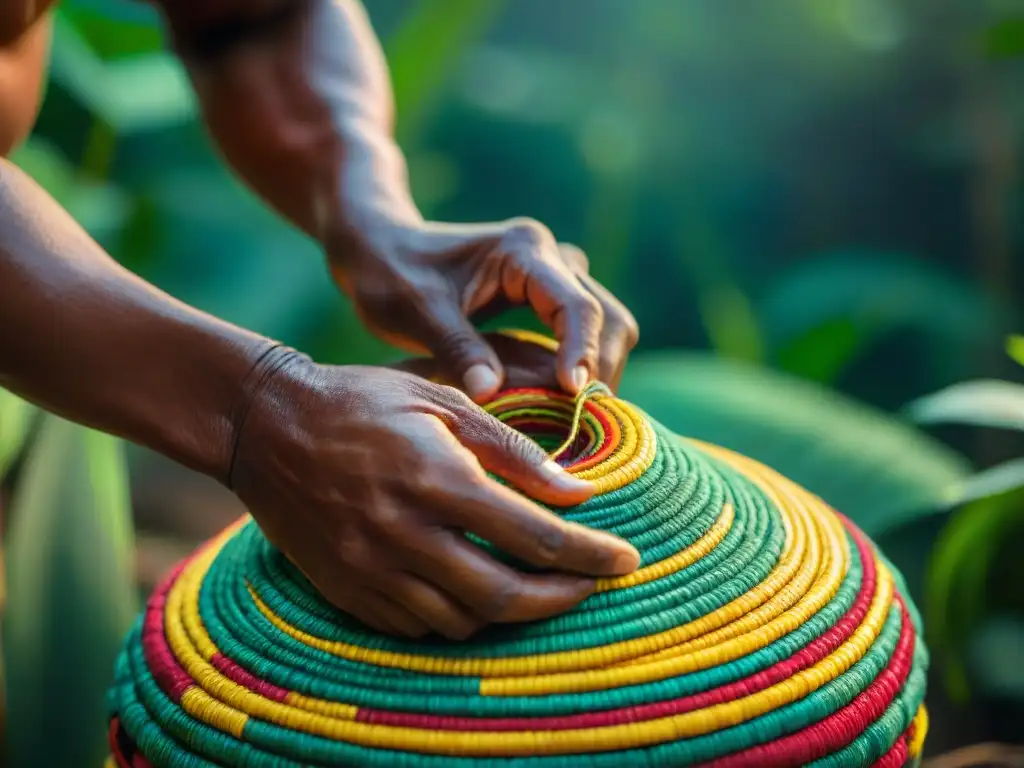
pixel 813 209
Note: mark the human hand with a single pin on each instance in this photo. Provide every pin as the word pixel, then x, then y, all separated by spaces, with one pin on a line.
pixel 367 478
pixel 527 363
pixel 419 287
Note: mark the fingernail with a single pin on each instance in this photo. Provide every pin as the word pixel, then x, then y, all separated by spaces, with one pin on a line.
pixel 558 478
pixel 480 380
pixel 579 377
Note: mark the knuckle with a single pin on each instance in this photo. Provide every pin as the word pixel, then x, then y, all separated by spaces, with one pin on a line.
pixel 585 308
pixel 352 551
pixel 518 445
pixel 575 257
pixel 548 546
pixel 450 399
pixel 499 600
pixel 527 234
pixel 431 482
pixel 630 330
pixel 443 476
pixel 385 518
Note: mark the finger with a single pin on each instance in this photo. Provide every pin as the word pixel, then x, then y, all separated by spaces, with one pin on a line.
pixel 619 332
pixel 359 605
pixel 514 457
pixel 619 335
pixel 492 591
pixel 536 273
pixel 536 535
pixel 441 612
pixel 575 258
pixel 367 615
pixel 507 519
pixel 526 364
pixel 462 353
pixel 404 621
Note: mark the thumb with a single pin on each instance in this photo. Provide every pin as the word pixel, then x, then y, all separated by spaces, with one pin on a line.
pixel 516 458
pixel 462 353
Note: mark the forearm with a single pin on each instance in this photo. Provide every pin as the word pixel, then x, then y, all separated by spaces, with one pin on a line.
pixel 296 94
pixel 86 339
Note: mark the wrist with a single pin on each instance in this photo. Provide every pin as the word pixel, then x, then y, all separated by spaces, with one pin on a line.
pixel 274 386
pixel 193 417
pixel 369 232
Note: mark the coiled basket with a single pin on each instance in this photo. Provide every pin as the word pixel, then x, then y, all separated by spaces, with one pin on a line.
pixel 762 629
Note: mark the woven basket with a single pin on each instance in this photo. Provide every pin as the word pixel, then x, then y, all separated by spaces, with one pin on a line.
pixel 762 629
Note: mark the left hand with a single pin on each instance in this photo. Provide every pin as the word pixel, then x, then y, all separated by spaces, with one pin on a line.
pixel 420 286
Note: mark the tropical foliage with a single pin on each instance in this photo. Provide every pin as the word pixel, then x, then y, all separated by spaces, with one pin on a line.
pixel 821 205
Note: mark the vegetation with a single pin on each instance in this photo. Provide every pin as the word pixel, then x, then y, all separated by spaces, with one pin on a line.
pixel 818 203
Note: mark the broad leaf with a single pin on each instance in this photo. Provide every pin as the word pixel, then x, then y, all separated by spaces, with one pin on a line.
pixel 871 294
pixel 431 39
pixel 982 403
pixel 1002 478
pixel 959 594
pixel 141 93
pixel 1005 39
pixel 102 209
pixel 866 463
pixel 70 595
pixel 15 420
pixel 1015 348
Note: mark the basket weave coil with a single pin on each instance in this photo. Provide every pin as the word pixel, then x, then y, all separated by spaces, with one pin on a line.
pixel 761 629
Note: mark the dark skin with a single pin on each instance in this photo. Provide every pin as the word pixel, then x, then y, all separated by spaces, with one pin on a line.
pixel 364 477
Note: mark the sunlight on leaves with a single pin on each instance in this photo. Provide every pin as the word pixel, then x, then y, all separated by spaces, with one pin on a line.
pixel 1002 478
pixel 15 422
pixel 99 207
pixel 71 594
pixel 1015 348
pixel 140 93
pixel 875 468
pixel 435 34
pixel 981 403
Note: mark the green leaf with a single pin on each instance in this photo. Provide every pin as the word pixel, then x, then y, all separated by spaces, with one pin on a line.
pixel 875 294
pixel 822 353
pixel 982 403
pixel 100 208
pixel 115 29
pixel 866 463
pixel 432 38
pixel 730 323
pixel 141 93
pixel 15 421
pixel 1002 478
pixel 1015 348
pixel 70 595
pixel 957 589
pixel 1005 39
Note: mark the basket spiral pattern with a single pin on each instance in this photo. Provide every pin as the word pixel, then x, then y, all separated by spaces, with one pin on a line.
pixel 762 629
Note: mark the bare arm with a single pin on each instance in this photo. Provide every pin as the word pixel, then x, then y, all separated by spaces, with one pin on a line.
pixel 297 95
pixel 89 340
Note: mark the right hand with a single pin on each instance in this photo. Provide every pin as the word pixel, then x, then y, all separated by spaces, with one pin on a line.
pixel 367 478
